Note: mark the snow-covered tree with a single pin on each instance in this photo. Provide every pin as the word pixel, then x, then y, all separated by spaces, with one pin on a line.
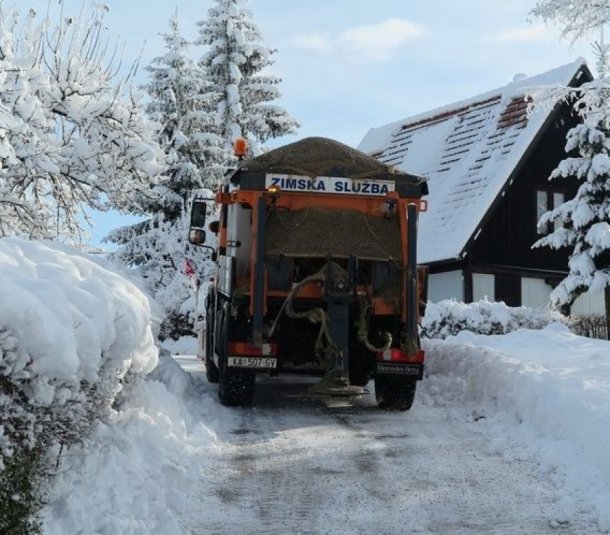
pixel 586 217
pixel 179 97
pixel 158 249
pixel 71 132
pixel 577 17
pixel 235 63
pixel 202 109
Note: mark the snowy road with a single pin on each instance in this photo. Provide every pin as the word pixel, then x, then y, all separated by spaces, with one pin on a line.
pixel 508 434
pixel 291 465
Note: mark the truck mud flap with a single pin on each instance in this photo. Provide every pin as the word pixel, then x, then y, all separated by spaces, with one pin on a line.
pixel 400 368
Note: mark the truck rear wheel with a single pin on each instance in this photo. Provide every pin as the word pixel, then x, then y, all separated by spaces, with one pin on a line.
pixel 235 387
pixel 394 392
pixel 211 370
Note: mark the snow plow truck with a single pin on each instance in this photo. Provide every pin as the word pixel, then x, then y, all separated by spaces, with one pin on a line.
pixel 316 273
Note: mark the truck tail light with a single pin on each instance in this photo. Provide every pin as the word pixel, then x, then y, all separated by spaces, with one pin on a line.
pixel 250 350
pixel 395 354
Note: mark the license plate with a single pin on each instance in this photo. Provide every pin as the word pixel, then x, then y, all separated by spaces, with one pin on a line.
pixel 404 369
pixel 252 362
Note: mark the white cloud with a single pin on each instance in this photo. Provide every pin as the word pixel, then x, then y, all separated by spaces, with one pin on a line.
pixel 538 32
pixel 314 41
pixel 380 41
pixel 374 41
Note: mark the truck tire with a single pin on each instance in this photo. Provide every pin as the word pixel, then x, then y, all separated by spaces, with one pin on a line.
pixel 211 370
pixel 212 373
pixel 394 392
pixel 235 387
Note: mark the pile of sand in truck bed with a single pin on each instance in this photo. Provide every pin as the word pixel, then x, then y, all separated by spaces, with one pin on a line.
pixel 318 156
pixel 318 232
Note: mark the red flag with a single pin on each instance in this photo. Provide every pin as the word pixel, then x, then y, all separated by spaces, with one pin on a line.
pixel 189 268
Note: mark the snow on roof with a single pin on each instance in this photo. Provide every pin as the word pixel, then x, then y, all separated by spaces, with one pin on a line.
pixel 467 151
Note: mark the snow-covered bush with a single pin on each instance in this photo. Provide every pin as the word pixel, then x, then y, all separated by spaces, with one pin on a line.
pixel 71 330
pixel 591 326
pixel 450 317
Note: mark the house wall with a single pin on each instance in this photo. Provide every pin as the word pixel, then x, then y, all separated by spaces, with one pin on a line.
pixel 503 249
pixel 448 285
pixel 589 303
pixel 483 286
pixel 535 292
pixel 507 236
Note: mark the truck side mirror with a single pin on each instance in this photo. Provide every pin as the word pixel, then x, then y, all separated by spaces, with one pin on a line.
pixel 196 236
pixel 198 213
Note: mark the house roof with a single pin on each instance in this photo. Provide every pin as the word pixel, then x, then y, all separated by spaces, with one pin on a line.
pixel 468 151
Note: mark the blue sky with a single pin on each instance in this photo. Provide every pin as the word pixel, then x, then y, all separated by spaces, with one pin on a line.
pixel 348 65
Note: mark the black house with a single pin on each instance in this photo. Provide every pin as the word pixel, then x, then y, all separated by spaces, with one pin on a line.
pixel 487 161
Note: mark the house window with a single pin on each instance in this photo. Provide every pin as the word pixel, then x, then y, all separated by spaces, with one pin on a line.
pixel 558 200
pixel 546 201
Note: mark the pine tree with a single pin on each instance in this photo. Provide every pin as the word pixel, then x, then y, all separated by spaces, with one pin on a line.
pixel 586 217
pixel 235 62
pixel 201 110
pixel 179 96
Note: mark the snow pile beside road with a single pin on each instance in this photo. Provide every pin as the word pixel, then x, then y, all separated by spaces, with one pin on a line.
pixel 551 386
pixel 142 472
pixel 70 316
pixel 70 331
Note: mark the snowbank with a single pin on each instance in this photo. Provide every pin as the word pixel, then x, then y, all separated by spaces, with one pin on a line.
pixel 551 386
pixel 70 316
pixel 147 462
pixel 70 331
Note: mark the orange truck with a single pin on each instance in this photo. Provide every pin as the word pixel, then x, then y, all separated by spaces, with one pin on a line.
pixel 316 273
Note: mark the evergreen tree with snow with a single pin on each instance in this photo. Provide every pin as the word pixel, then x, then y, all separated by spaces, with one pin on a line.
pixel 179 99
pixel 235 61
pixel 586 217
pixel 72 135
pixel 179 96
